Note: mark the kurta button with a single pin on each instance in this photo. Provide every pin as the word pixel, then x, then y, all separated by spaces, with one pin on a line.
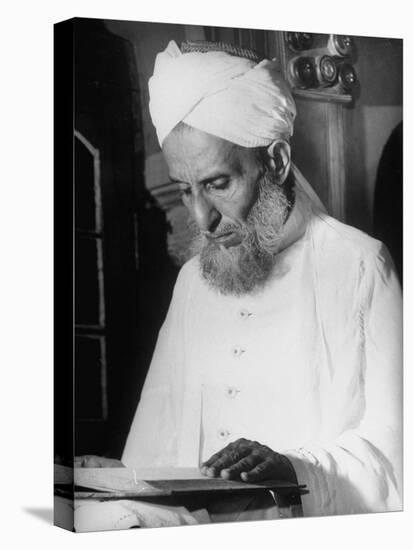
pixel 223 434
pixel 237 351
pixel 243 314
pixel 232 392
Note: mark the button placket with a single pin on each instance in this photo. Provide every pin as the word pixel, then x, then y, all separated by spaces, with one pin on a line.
pixel 243 314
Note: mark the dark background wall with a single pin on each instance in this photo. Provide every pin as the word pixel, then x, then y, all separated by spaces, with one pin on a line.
pixel 372 118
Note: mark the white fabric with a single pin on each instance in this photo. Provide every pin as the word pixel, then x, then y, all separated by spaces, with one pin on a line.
pixel 303 185
pixel 227 96
pixel 310 366
pixel 92 515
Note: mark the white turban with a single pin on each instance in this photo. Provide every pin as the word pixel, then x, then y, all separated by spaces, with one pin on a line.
pixel 231 97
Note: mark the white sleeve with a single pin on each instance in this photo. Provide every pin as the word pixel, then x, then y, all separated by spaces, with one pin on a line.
pixel 153 433
pixel 361 470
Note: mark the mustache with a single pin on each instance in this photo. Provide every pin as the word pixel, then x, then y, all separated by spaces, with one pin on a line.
pixel 267 193
pixel 261 230
pixel 223 230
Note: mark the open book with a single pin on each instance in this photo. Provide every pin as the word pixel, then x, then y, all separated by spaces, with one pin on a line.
pixel 153 482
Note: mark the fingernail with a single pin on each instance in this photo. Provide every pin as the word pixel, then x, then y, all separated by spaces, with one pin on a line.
pixel 210 472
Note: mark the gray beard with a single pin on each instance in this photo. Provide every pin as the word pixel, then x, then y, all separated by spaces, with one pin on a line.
pixel 241 269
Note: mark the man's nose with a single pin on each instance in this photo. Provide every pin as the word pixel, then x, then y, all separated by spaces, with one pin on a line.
pixel 205 213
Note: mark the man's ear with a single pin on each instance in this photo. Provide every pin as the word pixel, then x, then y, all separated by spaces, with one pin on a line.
pixel 279 159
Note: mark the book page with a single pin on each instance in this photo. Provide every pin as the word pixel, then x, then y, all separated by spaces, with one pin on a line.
pixel 122 479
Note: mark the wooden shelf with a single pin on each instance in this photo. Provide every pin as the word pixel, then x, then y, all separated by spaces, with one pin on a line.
pixel 318 95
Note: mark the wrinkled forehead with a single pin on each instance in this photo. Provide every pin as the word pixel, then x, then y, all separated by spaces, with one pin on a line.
pixel 190 149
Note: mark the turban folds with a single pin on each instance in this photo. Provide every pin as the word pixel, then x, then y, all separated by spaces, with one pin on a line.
pixel 231 97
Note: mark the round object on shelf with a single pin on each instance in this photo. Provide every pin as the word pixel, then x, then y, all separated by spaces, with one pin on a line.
pixel 299 41
pixel 347 76
pixel 341 45
pixel 303 72
pixel 327 70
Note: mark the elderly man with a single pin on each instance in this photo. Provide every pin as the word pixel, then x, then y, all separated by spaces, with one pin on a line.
pixel 280 357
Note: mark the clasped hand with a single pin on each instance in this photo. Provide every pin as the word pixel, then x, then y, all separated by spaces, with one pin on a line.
pixel 250 461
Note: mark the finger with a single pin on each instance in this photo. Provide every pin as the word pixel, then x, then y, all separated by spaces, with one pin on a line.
pixel 82 461
pixel 261 472
pixel 218 454
pixel 238 444
pixel 228 459
pixel 244 465
pixel 91 461
pixel 212 459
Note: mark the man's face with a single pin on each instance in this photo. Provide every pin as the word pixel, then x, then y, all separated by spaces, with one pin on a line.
pixel 217 180
pixel 237 206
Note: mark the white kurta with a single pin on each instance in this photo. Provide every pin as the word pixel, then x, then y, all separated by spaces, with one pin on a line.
pixel 310 366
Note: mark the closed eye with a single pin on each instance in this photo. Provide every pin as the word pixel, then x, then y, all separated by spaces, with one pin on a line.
pixel 217 185
pixel 211 186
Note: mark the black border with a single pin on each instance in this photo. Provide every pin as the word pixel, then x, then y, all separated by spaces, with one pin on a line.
pixel 63 248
